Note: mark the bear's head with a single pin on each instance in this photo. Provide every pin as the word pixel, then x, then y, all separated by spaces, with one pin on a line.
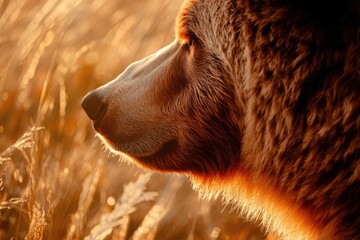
pixel 256 100
pixel 180 109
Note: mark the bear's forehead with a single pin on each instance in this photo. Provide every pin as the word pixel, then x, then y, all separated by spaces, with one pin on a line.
pixel 187 17
pixel 196 17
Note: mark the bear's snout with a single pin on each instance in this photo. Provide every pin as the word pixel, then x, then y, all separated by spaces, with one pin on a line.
pixel 94 105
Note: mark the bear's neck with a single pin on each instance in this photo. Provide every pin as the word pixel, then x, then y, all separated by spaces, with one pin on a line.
pixel 256 199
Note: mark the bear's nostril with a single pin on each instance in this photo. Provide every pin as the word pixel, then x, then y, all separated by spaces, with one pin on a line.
pixel 94 105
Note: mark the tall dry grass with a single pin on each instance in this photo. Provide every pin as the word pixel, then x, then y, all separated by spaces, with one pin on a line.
pixel 56 181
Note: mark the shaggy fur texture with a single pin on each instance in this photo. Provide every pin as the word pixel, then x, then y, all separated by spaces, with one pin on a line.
pixel 258 101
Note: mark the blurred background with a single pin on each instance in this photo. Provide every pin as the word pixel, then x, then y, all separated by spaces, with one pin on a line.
pixel 56 179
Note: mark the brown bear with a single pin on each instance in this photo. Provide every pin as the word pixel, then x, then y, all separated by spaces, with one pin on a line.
pixel 256 100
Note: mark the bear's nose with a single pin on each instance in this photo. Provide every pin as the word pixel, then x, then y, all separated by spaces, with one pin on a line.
pixel 94 105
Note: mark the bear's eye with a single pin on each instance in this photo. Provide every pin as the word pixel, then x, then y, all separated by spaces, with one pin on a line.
pixel 187 42
pixel 190 42
pixel 187 38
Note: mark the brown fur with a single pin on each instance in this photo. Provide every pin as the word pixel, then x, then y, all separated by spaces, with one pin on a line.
pixel 256 100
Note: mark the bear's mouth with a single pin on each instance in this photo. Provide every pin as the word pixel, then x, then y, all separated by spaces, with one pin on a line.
pixel 143 155
pixel 167 148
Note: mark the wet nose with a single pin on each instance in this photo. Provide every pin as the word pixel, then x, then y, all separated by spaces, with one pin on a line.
pixel 94 105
